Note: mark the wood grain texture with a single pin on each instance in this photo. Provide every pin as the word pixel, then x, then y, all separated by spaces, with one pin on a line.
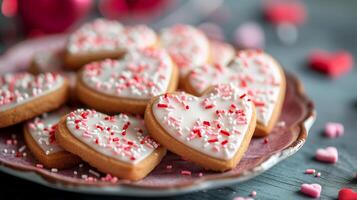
pixel 331 25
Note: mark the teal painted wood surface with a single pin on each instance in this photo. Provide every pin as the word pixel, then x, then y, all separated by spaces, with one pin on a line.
pixel 331 25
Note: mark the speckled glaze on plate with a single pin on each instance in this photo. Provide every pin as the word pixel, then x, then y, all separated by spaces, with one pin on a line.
pixel 287 138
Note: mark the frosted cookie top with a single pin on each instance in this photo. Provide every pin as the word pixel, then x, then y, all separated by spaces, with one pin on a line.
pixel 187 46
pixel 121 137
pixel 253 72
pixel 141 74
pixel 221 53
pixel 214 124
pixel 20 88
pixel 42 129
pixel 107 35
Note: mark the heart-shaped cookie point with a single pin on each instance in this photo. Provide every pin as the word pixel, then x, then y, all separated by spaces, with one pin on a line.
pixel 126 85
pixel 255 73
pixel 187 46
pixel 328 155
pixel 347 194
pixel 118 144
pixel 213 130
pixel 24 96
pixel 39 135
pixel 102 39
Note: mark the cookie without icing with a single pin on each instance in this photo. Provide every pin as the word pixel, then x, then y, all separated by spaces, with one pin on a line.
pixel 39 134
pixel 118 145
pixel 24 96
pixel 253 72
pixel 213 130
pixel 126 85
pixel 103 39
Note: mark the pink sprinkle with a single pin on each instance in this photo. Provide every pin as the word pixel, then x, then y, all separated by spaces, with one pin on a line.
pixel 310 171
pixel 9 142
pixel 242 198
pixel 168 166
pixel 312 190
pixel 186 172
pixel 328 155
pixel 334 130
pixel 200 174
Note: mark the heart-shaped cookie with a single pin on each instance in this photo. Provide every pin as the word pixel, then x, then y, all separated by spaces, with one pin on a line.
pixel 102 39
pixel 118 144
pixel 253 72
pixel 213 130
pixel 127 85
pixel 221 53
pixel 39 134
pixel 24 96
pixel 187 46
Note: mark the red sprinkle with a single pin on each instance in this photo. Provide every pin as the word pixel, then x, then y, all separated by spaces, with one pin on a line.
pixel 206 123
pixel 209 106
pixel 161 105
pixel 225 132
pixel 213 140
pixel 224 142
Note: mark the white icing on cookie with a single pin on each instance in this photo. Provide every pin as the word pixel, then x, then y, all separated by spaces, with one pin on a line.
pixel 20 88
pixel 253 72
pixel 107 35
pixel 42 129
pixel 121 137
pixel 141 74
pixel 187 46
pixel 214 124
pixel 48 61
pixel 221 53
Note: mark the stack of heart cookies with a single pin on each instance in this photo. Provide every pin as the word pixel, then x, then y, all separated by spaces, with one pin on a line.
pixel 118 97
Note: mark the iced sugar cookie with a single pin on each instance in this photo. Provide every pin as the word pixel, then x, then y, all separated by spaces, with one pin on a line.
pixel 221 53
pixel 253 72
pixel 126 85
pixel 39 134
pixel 187 46
pixel 24 96
pixel 102 39
pixel 213 130
pixel 46 61
pixel 118 145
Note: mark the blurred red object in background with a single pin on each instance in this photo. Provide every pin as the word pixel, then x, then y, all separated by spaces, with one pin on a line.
pixel 51 16
pixel 142 9
pixel 278 12
pixel 334 64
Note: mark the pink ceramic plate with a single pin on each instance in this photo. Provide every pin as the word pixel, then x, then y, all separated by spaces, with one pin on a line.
pixel 286 139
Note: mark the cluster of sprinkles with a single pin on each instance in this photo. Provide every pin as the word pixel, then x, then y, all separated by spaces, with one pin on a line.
pixel 43 128
pixel 187 46
pixel 214 124
pixel 122 137
pixel 140 74
pixel 110 35
pixel 253 72
pixel 13 148
pixel 19 88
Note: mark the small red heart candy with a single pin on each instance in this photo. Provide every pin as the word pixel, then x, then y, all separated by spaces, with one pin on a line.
pixel 333 64
pixel 285 12
pixel 347 194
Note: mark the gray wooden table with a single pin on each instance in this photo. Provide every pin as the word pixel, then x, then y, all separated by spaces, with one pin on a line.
pixel 331 25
